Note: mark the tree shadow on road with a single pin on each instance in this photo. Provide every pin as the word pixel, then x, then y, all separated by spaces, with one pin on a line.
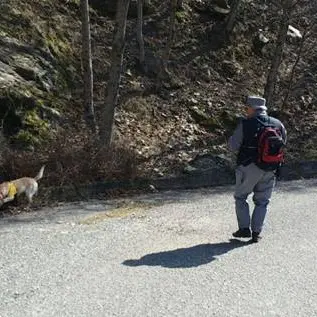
pixel 187 257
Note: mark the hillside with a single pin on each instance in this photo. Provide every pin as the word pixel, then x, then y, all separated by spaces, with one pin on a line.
pixel 159 131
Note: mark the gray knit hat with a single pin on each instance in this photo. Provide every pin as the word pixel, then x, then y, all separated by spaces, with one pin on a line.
pixel 256 102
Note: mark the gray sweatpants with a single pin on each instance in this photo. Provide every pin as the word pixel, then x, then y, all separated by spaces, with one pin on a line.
pixel 252 179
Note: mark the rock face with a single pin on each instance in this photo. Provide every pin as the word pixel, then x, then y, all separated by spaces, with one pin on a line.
pixel 27 78
pixel 30 80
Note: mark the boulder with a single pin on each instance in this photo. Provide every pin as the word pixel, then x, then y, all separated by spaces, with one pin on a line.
pixel 205 162
pixel 229 119
pixel 203 118
pixel 213 169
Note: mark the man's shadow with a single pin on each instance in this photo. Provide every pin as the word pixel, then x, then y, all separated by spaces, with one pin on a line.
pixel 188 257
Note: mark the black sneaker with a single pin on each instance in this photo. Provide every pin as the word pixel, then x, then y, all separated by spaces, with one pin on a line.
pixel 242 233
pixel 256 237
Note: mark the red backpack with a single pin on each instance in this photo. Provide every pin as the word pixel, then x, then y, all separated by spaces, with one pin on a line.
pixel 270 147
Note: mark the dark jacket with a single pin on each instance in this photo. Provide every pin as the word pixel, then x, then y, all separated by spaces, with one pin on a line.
pixel 244 139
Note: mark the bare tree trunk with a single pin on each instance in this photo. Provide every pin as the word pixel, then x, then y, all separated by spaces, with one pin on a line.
pixel 179 5
pixel 232 16
pixel 87 68
pixel 170 40
pixel 140 34
pixel 298 57
pixel 277 58
pixel 107 116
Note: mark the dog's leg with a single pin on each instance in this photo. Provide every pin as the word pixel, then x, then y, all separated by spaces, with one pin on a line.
pixel 29 197
pixel 16 201
pixel 31 192
pixel 6 200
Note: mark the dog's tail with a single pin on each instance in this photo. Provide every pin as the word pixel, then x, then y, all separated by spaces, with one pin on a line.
pixel 40 173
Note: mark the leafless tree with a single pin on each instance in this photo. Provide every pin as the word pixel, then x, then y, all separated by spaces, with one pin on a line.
pixel 286 7
pixel 298 57
pixel 307 43
pixel 232 16
pixel 170 40
pixel 87 67
pixel 140 33
pixel 107 116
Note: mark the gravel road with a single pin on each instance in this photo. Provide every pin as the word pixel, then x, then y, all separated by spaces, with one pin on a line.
pixel 166 254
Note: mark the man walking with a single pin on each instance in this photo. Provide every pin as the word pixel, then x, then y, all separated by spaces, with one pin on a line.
pixel 259 141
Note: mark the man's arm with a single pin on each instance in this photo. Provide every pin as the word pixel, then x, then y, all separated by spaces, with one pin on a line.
pixel 235 141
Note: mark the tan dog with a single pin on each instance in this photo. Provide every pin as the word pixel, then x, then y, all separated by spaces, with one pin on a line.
pixel 27 185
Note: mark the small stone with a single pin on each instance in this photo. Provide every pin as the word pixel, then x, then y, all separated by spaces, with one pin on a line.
pixel 194 101
pixel 153 189
pixel 294 33
pixel 128 72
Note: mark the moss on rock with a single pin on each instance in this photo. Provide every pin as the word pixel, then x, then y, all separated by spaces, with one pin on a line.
pixel 37 67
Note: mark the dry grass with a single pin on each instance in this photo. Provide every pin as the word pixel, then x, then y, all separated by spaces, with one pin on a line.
pixel 74 161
